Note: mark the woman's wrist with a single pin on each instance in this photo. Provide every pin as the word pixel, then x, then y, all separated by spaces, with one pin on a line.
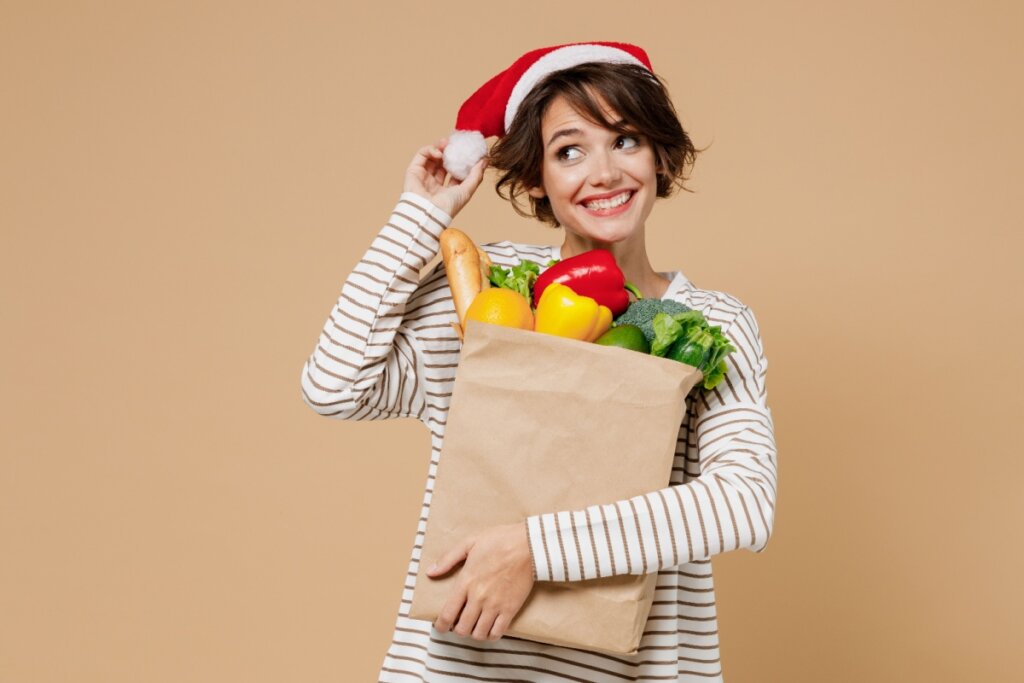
pixel 439 212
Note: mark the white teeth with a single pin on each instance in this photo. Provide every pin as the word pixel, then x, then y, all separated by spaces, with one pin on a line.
pixel 617 200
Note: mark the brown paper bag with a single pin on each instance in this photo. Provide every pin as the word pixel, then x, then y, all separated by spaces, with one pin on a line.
pixel 537 424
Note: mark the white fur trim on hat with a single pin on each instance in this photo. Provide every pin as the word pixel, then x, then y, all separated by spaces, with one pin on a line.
pixel 562 58
pixel 464 149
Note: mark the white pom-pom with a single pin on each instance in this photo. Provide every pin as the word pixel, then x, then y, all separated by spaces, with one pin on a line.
pixel 464 149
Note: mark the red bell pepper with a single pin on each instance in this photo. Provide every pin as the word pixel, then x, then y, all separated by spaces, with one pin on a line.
pixel 593 273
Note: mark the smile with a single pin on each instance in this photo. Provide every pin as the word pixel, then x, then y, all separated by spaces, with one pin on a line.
pixel 612 205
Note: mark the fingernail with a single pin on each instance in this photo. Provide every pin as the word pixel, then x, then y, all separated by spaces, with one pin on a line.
pixel 433 568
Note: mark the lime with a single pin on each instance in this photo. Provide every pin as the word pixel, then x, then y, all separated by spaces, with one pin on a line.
pixel 627 337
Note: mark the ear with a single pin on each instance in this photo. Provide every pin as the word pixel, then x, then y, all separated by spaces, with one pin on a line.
pixel 536 192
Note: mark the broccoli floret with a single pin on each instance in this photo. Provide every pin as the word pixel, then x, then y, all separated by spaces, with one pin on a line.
pixel 641 313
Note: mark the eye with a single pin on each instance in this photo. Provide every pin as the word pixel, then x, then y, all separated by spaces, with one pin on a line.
pixel 635 139
pixel 563 154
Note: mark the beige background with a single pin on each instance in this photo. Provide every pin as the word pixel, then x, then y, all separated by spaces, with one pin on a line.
pixel 185 186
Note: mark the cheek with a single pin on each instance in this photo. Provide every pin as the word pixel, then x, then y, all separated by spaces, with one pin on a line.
pixel 648 167
pixel 563 184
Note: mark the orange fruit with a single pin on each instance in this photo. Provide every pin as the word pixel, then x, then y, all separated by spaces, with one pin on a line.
pixel 500 306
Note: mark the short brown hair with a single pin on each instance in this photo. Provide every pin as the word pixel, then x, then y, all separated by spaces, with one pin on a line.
pixel 639 97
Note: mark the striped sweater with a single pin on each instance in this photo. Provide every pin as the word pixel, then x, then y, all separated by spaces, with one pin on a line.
pixel 388 350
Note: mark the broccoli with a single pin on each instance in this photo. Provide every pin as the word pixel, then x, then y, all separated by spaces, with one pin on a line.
pixel 641 313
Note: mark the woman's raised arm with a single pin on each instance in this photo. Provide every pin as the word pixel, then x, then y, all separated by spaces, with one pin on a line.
pixel 364 363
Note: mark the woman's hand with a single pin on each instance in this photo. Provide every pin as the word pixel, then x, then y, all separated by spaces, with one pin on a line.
pixel 427 177
pixel 493 584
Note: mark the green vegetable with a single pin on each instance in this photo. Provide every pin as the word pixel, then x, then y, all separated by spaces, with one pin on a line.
pixel 693 349
pixel 711 380
pixel 686 337
pixel 520 278
pixel 642 313
pixel 670 327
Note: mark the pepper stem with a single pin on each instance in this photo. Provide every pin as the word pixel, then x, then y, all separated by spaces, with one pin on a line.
pixel 636 292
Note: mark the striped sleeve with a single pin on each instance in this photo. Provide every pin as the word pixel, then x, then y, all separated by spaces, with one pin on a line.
pixel 730 505
pixel 364 364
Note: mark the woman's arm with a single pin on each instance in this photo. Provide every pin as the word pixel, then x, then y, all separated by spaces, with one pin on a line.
pixel 364 364
pixel 730 506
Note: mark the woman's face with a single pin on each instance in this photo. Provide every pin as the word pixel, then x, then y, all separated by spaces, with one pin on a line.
pixel 585 163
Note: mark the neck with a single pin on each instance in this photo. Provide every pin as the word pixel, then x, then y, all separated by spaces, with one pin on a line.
pixel 631 257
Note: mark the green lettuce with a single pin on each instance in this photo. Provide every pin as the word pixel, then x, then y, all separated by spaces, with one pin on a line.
pixel 520 278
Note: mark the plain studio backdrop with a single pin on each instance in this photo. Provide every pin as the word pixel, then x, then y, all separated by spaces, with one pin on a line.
pixel 185 186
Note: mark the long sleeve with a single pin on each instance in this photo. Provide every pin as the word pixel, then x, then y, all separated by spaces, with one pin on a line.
pixel 730 505
pixel 364 364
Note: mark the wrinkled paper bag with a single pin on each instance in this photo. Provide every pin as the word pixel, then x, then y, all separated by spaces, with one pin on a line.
pixel 537 424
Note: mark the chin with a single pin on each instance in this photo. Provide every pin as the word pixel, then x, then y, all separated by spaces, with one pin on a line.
pixel 604 239
pixel 607 230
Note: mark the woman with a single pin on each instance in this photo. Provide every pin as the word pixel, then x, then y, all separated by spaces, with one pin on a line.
pixel 589 135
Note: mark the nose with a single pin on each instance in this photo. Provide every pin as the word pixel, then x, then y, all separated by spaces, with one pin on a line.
pixel 605 169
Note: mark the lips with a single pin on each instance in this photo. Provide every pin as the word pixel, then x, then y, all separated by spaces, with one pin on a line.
pixel 606 195
pixel 615 210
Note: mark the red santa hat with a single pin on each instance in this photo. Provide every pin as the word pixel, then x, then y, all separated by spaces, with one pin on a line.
pixel 490 110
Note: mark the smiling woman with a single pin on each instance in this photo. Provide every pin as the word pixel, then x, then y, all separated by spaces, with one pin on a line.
pixel 582 158
pixel 593 146
pixel 600 186
pixel 621 98
pixel 588 134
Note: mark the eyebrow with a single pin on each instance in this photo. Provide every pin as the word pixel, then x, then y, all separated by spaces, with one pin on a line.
pixel 576 131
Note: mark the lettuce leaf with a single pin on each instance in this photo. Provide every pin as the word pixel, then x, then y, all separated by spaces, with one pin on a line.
pixel 520 278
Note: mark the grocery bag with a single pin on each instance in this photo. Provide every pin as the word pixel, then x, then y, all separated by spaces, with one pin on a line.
pixel 540 423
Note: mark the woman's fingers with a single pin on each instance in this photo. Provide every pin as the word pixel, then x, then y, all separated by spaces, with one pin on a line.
pixel 476 174
pixel 467 622
pixel 439 174
pixel 498 629
pixel 426 155
pixel 473 178
pixel 427 167
pixel 484 624
pixel 450 611
pixel 428 176
pixel 434 166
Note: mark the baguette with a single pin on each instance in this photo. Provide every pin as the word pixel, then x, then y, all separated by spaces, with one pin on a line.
pixel 464 269
pixel 485 268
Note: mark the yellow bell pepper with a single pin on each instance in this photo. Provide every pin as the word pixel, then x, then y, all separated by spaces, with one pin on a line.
pixel 564 313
